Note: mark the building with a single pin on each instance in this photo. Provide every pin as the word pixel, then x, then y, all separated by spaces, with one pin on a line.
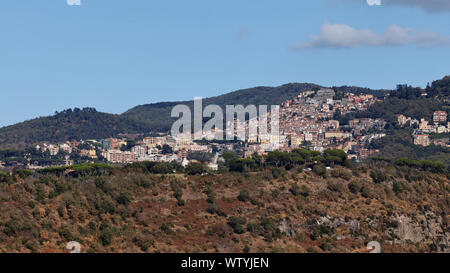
pixel 54 150
pixel 334 134
pixel 66 148
pixel 365 153
pixel 139 151
pixel 353 122
pixel 213 166
pixel 117 156
pixel 424 125
pixel 422 140
pixel 401 119
pixel 106 144
pixel 440 116
pixel 92 153
pixel 324 94
pixel 149 141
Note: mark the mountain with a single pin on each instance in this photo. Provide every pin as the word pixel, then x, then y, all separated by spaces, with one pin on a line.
pixel 272 210
pixel 157 115
pixel 412 102
pixel 87 123
pixel 70 124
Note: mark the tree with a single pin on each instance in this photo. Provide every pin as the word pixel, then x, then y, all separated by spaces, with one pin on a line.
pixel 124 198
pixel 166 149
pixel 237 224
pixel 195 168
pixel 244 195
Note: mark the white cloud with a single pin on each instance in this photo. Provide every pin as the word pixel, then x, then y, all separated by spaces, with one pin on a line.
pixel 345 36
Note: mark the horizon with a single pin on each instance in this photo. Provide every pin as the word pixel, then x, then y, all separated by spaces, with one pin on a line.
pixel 114 55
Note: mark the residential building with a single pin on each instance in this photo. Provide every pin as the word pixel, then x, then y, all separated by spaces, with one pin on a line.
pixel 420 139
pixel 440 116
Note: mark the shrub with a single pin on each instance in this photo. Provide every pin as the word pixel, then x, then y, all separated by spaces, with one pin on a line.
pixel 320 170
pixel 23 173
pixel 399 187
pixel 378 176
pixel 143 242
pixel 161 168
pixel 3 177
pixel 211 195
pixel 354 187
pixel 336 187
pixel 167 228
pixel 276 173
pixel 246 249
pixel 177 192
pixel 12 227
pixel 66 234
pixel 365 191
pixel 106 236
pixel 212 209
pixel 195 168
pixel 341 173
pixel 305 191
pixel 124 198
pixel 275 193
pixel 244 195
pixel 295 189
pixel 426 165
pixel 237 224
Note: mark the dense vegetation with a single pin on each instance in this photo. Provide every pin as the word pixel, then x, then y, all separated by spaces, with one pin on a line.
pixel 412 102
pixel 157 115
pixel 398 143
pixel 87 123
pixel 70 124
pixel 138 208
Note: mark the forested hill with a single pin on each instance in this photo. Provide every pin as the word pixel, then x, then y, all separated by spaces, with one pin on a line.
pixel 157 115
pixel 410 101
pixel 70 124
pixel 87 123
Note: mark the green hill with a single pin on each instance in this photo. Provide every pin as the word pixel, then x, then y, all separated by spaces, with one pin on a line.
pixel 90 124
pixel 157 115
pixel 84 123
pixel 87 123
pixel 412 102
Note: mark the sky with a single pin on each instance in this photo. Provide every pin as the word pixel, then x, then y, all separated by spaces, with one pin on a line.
pixel 116 54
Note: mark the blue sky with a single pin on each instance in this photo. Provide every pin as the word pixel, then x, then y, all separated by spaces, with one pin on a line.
pixel 115 54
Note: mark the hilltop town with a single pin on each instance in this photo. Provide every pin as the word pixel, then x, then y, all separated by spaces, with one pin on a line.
pixel 307 121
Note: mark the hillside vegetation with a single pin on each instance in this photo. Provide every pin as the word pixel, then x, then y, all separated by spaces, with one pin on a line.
pixel 70 124
pixel 87 123
pixel 411 102
pixel 135 209
pixel 157 115
pixel 150 118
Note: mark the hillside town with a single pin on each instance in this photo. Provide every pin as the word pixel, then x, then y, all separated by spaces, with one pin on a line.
pixel 425 133
pixel 306 121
